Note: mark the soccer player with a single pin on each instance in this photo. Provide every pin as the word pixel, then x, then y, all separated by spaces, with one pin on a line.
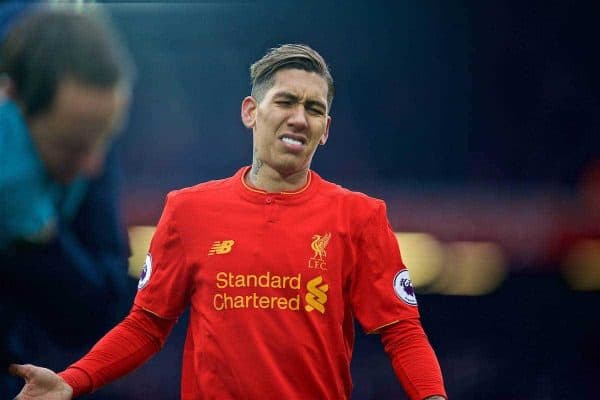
pixel 274 262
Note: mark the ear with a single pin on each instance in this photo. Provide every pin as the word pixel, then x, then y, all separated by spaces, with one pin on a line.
pixel 326 133
pixel 249 106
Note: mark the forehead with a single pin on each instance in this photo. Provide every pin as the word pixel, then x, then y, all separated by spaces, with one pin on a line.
pixel 300 83
pixel 82 101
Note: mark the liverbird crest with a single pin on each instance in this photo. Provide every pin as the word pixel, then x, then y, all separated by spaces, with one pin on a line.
pixel 319 244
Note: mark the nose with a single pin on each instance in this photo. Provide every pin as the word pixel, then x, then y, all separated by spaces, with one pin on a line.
pixel 297 118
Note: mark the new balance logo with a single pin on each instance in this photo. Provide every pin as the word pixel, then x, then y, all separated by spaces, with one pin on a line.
pixel 317 295
pixel 221 247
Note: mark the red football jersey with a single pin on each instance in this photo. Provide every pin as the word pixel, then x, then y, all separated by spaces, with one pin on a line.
pixel 274 281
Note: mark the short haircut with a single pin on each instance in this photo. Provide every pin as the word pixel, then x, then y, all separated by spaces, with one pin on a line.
pixel 48 45
pixel 288 56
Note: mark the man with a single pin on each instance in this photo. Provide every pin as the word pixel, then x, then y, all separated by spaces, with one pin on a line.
pixel 63 250
pixel 275 262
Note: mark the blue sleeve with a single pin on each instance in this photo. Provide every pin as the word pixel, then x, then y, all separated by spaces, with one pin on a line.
pixel 77 285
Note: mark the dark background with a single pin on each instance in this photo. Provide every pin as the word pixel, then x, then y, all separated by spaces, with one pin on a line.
pixel 474 120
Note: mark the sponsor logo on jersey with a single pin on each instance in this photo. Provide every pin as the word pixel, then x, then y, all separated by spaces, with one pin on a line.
pixel 268 291
pixel 319 246
pixel 228 283
pixel 404 289
pixel 221 247
pixel 146 272
pixel 317 295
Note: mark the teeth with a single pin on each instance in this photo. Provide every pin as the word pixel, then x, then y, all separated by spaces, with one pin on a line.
pixel 291 141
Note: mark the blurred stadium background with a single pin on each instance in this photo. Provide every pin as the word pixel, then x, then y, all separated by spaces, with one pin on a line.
pixel 477 122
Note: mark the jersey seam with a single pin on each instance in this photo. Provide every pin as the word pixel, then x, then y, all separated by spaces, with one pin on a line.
pixel 360 239
pixel 173 226
pixel 376 330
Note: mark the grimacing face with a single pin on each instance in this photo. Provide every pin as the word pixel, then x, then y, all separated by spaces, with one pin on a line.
pixel 73 135
pixel 290 122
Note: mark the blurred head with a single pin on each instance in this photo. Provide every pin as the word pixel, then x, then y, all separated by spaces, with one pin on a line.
pixel 288 111
pixel 71 79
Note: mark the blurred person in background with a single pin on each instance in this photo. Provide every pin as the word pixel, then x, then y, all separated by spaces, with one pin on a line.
pixel 63 250
pixel 275 263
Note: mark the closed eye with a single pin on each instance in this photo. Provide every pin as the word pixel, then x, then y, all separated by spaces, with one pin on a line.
pixel 316 111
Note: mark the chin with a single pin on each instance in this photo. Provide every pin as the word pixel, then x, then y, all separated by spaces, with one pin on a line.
pixel 291 168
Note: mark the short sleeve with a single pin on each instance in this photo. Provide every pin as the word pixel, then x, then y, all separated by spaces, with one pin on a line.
pixel 165 283
pixel 381 289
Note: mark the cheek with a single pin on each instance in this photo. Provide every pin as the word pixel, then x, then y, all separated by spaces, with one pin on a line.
pixel 318 128
pixel 271 119
pixel 266 130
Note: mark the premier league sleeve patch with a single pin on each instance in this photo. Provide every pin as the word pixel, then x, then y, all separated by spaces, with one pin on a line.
pixel 146 272
pixel 404 289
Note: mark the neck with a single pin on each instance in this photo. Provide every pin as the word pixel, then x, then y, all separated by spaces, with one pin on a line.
pixel 264 177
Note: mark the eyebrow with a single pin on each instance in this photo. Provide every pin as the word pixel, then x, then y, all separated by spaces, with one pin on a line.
pixel 293 97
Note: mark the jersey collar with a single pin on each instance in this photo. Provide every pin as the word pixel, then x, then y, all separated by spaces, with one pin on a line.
pixel 260 195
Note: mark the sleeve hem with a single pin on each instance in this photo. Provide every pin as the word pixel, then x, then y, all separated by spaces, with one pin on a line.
pixel 79 380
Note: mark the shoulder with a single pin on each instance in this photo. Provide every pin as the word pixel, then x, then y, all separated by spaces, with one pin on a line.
pixel 202 192
pixel 10 113
pixel 21 166
pixel 356 202
pixel 8 126
pixel 351 197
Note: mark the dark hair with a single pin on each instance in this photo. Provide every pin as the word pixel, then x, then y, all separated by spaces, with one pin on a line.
pixel 287 56
pixel 48 45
